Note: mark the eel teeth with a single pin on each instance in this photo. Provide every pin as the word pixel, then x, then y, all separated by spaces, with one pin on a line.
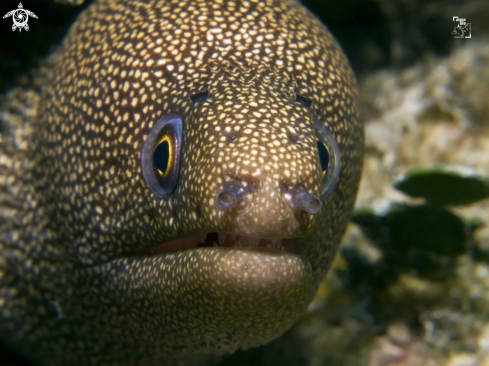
pixel 254 242
pixel 221 237
pixel 244 241
pixel 202 237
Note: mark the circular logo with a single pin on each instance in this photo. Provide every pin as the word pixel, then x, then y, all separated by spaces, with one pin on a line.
pixel 20 17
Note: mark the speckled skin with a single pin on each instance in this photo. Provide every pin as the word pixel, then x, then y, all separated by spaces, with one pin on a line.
pixel 75 205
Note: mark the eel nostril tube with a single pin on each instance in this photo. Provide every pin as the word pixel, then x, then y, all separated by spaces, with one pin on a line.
pixel 230 196
pixel 306 201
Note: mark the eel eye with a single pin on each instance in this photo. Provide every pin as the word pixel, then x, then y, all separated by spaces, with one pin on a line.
pixel 199 98
pixel 329 159
pixel 160 158
pixel 323 156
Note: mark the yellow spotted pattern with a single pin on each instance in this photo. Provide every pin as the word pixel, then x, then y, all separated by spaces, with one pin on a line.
pixel 75 205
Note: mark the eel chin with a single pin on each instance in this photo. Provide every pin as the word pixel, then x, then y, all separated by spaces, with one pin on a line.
pixel 209 299
pixel 221 239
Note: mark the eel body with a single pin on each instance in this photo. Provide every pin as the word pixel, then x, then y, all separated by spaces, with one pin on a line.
pixel 183 186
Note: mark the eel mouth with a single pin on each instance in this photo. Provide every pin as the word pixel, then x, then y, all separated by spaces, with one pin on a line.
pixel 221 239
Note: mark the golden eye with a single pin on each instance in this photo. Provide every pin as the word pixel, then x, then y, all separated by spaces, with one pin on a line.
pixel 163 155
pixel 160 158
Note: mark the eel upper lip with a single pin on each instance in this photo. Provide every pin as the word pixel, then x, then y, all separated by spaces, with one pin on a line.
pixel 221 239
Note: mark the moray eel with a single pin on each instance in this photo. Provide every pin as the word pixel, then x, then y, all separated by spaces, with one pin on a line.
pixel 182 188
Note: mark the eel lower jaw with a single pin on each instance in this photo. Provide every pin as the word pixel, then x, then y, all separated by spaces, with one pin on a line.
pixel 236 296
pixel 221 239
